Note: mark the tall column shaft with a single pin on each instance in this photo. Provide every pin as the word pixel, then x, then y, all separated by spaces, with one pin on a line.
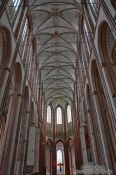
pixel 54 159
pixel 11 137
pixel 67 165
pixel 83 145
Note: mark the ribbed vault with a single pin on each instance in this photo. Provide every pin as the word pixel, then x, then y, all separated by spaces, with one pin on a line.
pixel 56 28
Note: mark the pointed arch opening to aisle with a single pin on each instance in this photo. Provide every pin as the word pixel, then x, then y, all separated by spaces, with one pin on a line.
pixel 13 102
pixel 103 116
pixel 107 49
pixel 60 158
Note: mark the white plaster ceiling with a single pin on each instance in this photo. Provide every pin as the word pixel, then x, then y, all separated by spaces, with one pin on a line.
pixel 56 25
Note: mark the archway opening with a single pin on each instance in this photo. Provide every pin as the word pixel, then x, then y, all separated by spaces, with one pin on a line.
pixel 60 158
pixel 104 113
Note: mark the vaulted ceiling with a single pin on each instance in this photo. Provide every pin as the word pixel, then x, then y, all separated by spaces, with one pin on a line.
pixel 56 28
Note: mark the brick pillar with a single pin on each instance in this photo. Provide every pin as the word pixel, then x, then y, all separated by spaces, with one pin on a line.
pixel 67 165
pixel 42 167
pixel 78 153
pixel 54 158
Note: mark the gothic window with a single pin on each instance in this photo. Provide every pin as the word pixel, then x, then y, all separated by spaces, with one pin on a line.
pixel 24 30
pixel 49 114
pixel 69 114
pixel 13 10
pixel 87 41
pixel 16 4
pixel 29 64
pixel 93 5
pixel 23 37
pixel 59 116
pixel 87 37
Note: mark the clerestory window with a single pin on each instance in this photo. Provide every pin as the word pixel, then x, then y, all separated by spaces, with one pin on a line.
pixel 49 114
pixel 16 4
pixel 93 6
pixel 69 116
pixel 23 37
pixel 59 115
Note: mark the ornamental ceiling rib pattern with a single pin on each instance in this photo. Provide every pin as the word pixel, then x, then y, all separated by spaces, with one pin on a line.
pixel 56 27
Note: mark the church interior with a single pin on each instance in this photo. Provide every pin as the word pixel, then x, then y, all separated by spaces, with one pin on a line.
pixel 57 87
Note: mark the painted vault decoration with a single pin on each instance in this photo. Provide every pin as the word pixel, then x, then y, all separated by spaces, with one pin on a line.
pixel 56 27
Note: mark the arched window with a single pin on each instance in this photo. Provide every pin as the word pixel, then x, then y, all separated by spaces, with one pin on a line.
pixel 49 114
pixel 93 6
pixel 24 30
pixel 59 157
pixel 59 116
pixel 23 37
pixel 69 114
pixel 16 4
pixel 87 36
pixel 13 10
